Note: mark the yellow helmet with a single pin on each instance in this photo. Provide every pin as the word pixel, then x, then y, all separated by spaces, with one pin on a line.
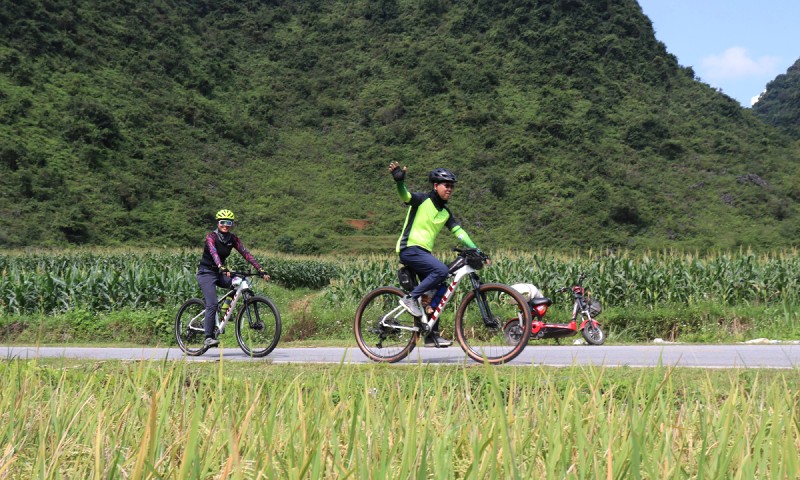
pixel 225 215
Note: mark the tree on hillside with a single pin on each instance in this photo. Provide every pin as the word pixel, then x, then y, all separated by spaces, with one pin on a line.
pixel 779 105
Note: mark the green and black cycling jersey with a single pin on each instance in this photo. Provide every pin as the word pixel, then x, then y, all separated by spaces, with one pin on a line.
pixel 427 215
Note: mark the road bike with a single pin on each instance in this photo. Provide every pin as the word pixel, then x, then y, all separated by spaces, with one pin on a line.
pixel 584 315
pixel 387 332
pixel 258 323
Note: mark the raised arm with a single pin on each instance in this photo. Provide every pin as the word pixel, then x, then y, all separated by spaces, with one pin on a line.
pixel 399 175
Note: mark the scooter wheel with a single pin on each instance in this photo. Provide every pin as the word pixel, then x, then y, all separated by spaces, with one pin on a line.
pixel 593 334
pixel 512 332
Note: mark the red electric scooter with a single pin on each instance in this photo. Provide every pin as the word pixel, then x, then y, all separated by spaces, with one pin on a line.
pixel 585 310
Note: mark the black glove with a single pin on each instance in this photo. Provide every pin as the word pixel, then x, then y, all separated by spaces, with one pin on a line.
pixel 399 174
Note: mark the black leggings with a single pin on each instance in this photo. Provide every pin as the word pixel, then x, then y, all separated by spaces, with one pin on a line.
pixel 209 280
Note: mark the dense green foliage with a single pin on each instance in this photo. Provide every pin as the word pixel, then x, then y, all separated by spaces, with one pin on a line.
pixel 779 105
pixel 568 123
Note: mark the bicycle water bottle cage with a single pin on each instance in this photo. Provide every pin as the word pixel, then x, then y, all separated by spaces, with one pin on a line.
pixel 407 278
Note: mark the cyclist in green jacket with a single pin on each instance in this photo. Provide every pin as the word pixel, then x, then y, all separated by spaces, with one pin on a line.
pixel 427 215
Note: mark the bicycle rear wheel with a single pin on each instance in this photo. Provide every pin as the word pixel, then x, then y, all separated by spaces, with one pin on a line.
pixel 258 326
pixel 378 333
pixel 480 320
pixel 189 327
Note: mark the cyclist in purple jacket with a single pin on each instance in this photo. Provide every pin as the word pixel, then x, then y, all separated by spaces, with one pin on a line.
pixel 211 272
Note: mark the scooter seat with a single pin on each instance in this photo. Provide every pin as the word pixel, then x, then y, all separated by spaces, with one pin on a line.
pixel 535 302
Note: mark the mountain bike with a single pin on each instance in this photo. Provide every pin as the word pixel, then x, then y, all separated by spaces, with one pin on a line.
pixel 585 311
pixel 387 332
pixel 257 326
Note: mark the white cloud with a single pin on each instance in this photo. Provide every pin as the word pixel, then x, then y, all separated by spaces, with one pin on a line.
pixel 736 62
pixel 753 100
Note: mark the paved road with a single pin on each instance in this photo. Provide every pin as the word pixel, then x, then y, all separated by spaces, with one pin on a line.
pixel 707 356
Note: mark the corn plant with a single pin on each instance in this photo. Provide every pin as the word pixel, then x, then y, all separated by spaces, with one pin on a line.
pixel 58 282
pixel 97 281
pixel 622 279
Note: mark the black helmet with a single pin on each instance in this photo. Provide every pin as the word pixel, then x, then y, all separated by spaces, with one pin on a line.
pixel 439 175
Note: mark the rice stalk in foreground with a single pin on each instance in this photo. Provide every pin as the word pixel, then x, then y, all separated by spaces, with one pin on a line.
pixel 178 420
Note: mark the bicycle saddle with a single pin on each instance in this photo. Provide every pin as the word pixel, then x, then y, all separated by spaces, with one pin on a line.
pixel 535 302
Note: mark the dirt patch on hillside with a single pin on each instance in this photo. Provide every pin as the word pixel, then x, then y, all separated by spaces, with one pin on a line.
pixel 358 224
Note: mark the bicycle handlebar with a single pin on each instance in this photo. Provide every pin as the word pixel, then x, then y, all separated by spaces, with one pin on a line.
pixel 581 278
pixel 467 252
pixel 247 274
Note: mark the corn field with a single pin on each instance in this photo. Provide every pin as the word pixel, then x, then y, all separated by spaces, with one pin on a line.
pixel 59 282
pixel 622 280
pixel 47 282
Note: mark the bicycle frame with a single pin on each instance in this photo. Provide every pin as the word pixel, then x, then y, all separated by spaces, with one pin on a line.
pixel 427 323
pixel 239 287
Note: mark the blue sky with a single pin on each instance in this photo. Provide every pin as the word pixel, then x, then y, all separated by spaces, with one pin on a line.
pixel 737 46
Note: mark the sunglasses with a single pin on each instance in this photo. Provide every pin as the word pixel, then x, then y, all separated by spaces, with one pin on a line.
pixel 448 185
pixel 225 223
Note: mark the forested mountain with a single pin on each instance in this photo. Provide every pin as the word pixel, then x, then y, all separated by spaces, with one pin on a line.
pixel 779 105
pixel 567 122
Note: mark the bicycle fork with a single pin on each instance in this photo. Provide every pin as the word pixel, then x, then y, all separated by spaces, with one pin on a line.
pixel 483 305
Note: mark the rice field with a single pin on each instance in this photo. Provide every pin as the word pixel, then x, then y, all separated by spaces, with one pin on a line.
pixel 65 419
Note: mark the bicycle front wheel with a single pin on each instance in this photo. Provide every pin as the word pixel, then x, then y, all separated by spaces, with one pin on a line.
pixel 383 328
pixel 480 320
pixel 258 326
pixel 189 327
